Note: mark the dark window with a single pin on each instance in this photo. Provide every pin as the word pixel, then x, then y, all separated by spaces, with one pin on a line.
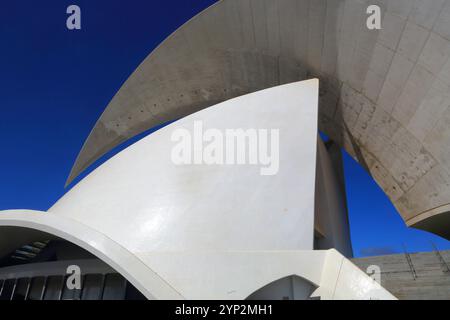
pixel 7 291
pixel 92 287
pixel 37 288
pixel 22 287
pixel 115 287
pixel 53 288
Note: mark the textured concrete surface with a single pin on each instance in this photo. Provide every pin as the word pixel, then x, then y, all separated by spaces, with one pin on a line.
pixel 384 94
pixel 427 277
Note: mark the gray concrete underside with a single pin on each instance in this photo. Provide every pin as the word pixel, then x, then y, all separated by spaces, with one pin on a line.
pixel 426 277
pixel 384 97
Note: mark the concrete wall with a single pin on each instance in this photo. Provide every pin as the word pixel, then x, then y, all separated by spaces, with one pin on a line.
pixel 428 278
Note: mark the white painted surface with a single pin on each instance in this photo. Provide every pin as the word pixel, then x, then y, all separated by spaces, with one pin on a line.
pixel 207 232
pixel 342 280
pixel 384 93
pixel 145 202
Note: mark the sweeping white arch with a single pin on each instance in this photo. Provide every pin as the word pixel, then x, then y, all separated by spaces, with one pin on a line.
pixel 383 97
pixel 214 231
pixel 97 243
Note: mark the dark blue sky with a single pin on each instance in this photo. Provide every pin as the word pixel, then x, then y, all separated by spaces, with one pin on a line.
pixel 55 83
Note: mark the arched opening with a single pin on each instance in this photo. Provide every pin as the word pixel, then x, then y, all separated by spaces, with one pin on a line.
pixel 288 288
pixel 35 265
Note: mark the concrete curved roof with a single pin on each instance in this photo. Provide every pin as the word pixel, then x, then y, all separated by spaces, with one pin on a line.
pixel 384 94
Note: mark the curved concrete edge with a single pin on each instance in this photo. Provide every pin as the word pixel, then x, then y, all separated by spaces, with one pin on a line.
pixel 232 275
pixel 80 164
pixel 235 275
pixel 207 274
pixel 435 220
pixel 383 94
pixel 342 280
pixel 123 261
pixel 146 200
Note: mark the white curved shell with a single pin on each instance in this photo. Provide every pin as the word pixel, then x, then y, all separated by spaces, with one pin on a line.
pixel 383 97
pixel 209 232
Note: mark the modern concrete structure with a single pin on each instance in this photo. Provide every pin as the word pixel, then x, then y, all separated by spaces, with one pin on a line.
pixel 267 229
pixel 271 227
pixel 384 94
pixel 416 276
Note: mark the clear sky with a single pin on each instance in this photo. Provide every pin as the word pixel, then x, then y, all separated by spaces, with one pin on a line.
pixel 55 83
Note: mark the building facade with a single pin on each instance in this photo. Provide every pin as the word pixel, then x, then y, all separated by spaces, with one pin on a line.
pixel 177 226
